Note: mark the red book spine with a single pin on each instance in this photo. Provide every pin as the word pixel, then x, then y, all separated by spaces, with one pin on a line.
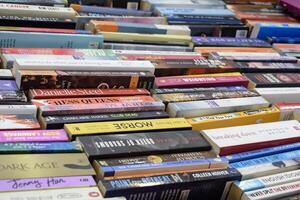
pixel 71 93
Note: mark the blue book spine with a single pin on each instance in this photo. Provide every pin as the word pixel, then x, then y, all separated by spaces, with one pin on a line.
pixel 140 28
pixel 290 40
pixel 113 11
pixel 36 147
pixel 262 152
pixel 194 11
pixel 111 170
pixel 227 41
pixel 275 30
pixel 172 20
pixel 10 39
pixel 266 159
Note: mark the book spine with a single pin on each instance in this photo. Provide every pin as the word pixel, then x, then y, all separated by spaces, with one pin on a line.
pixel 183 82
pixel 41 11
pixel 76 80
pixel 212 107
pixel 54 40
pixel 84 193
pixel 196 90
pixel 109 11
pixel 274 192
pixel 46 183
pixel 45 102
pixel 127 126
pixel 172 186
pixel 142 144
pixel 224 41
pixel 12 96
pixel 45 147
pixel 235 119
pixel 101 108
pixel 34 136
pixel 182 97
pixel 262 152
pixel 84 65
pixel 70 93
pixel 38 22
pixel 266 159
pixel 164 167
pixel 18 109
pixel 8 85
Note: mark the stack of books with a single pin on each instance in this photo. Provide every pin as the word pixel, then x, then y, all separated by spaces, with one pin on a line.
pixel 149 100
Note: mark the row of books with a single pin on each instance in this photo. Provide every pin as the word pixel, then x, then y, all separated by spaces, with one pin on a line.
pixel 103 102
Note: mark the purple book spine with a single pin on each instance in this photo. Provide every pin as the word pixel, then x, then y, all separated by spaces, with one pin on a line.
pixel 8 85
pixel 46 183
pixel 34 136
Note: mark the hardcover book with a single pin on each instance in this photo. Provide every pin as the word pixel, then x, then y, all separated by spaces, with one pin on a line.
pixel 139 144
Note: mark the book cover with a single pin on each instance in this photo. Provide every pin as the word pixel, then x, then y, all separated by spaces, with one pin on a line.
pixel 139 144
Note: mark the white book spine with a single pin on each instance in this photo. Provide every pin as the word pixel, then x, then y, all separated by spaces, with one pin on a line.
pixel 276 95
pixel 88 193
pixel 275 192
pixel 18 109
pixel 156 53
pixel 84 65
pixel 36 11
pixel 255 133
pixel 211 107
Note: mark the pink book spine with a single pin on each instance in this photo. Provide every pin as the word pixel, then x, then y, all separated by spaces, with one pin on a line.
pixel 34 136
pixel 190 81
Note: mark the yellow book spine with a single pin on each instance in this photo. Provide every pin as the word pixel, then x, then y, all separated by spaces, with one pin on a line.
pixel 235 119
pixel 126 126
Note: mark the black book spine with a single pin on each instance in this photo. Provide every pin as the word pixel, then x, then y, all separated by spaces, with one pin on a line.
pixel 209 185
pixel 57 122
pixel 138 144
